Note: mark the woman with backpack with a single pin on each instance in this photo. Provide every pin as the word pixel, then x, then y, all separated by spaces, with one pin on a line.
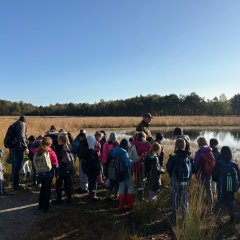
pixel 45 160
pixel 153 171
pixel 65 170
pixel 180 169
pixel 227 175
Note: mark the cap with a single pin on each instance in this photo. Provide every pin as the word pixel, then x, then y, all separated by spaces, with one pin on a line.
pixel 148 115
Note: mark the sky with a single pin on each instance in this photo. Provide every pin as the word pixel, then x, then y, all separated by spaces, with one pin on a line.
pixel 58 51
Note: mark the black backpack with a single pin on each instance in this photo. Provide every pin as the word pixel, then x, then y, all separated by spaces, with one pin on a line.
pixel 183 169
pixel 228 177
pixel 10 139
pixel 67 160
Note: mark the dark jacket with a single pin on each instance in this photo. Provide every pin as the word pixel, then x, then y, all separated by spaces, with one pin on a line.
pixel 221 163
pixel 63 169
pixel 91 166
pixel 173 161
pixel 144 127
pixel 83 149
pixel 153 172
pixel 20 132
pixel 215 153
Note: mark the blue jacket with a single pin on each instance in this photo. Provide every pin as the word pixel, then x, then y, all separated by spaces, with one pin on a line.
pixel 216 153
pixel 127 162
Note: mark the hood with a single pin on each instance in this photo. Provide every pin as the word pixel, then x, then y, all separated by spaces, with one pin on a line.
pixel 182 153
pixel 91 140
pixel 205 149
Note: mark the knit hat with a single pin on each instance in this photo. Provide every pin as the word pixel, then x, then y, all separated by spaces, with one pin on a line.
pixel 124 144
pixel 91 140
pixel 22 118
pixel 113 136
pixel 177 131
pixel 159 136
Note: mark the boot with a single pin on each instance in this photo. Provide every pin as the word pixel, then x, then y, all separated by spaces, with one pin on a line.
pixel 130 199
pixel 121 199
pixel 94 196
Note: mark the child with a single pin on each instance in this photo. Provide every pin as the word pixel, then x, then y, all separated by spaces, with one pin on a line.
pixel 99 136
pixel 45 160
pixel 205 163
pixel 214 146
pixel 65 170
pixel 228 177
pixel 2 191
pixel 180 168
pixel 92 168
pixel 111 183
pixel 153 171
pixel 127 181
pixel 159 137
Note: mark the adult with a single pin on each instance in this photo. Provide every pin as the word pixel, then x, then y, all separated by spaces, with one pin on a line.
pixel 17 151
pixel 143 126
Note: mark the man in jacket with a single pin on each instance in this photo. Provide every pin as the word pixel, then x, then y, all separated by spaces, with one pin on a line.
pixel 18 150
pixel 143 126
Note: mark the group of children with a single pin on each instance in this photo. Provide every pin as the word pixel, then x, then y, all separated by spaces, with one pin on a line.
pixel 136 162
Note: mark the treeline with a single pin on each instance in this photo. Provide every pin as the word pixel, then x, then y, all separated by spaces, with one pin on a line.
pixel 172 104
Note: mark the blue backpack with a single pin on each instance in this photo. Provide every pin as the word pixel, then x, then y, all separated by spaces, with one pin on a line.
pixel 75 145
pixel 183 169
pixel 228 177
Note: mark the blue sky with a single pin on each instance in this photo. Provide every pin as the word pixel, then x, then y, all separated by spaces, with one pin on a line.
pixel 84 50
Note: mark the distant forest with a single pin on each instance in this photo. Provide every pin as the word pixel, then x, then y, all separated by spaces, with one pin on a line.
pixel 157 105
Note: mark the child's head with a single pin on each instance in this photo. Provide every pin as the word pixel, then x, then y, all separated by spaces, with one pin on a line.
pixel 156 148
pixel 82 134
pixel 202 142
pixel 226 154
pixel 31 139
pixel 98 136
pixel 142 137
pixel 1 153
pixel 45 145
pixel 213 142
pixel 124 144
pixel 180 144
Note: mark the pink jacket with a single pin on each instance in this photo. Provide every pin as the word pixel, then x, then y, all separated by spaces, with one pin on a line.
pixel 106 148
pixel 53 157
pixel 52 154
pixel 142 147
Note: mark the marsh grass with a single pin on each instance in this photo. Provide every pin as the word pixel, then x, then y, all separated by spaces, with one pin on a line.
pixel 198 224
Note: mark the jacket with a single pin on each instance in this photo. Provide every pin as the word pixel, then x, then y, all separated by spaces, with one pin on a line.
pixel 106 148
pixel 172 163
pixel 144 127
pixel 54 161
pixel 126 161
pixel 153 172
pixel 20 132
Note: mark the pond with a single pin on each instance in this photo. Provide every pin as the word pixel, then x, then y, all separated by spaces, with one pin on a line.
pixel 226 136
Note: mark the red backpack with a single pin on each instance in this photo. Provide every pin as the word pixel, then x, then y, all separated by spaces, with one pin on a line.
pixel 208 163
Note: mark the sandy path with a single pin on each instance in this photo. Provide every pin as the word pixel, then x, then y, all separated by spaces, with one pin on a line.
pixel 18 213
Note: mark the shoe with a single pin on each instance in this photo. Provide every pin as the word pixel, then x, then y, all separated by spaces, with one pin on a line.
pixel 56 201
pixel 81 191
pixel 162 171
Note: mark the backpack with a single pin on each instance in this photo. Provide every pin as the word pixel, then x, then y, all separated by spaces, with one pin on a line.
pixel 116 169
pixel 67 160
pixel 228 178
pixel 208 163
pixel 75 145
pixel 10 139
pixel 132 152
pixel 183 169
pixel 42 162
pixel 140 164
